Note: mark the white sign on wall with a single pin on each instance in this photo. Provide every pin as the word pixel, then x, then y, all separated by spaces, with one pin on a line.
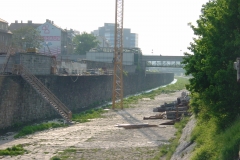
pixel 52 39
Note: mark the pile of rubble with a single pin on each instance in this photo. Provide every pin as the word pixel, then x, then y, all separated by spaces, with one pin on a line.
pixel 173 110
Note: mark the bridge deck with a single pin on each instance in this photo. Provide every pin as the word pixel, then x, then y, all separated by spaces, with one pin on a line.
pixel 162 61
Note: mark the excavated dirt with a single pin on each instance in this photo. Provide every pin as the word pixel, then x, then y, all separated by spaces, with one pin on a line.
pixel 100 139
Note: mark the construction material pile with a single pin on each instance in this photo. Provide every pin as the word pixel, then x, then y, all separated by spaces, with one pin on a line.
pixel 172 110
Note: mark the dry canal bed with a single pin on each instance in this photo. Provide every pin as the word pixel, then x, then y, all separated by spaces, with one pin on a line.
pixel 100 138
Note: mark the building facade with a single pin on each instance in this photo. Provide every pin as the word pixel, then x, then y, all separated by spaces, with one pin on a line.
pixel 130 40
pixel 134 40
pixel 5 34
pixel 54 39
pixel 103 42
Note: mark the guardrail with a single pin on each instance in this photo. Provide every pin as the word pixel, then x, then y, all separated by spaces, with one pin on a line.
pixel 88 72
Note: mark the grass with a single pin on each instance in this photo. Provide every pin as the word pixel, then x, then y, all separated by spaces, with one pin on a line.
pixel 213 144
pixel 87 115
pixel 13 151
pixel 168 149
pixel 107 154
pixel 65 154
pixel 35 128
pixel 171 88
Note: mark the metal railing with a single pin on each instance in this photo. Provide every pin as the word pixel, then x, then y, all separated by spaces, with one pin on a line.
pixel 87 72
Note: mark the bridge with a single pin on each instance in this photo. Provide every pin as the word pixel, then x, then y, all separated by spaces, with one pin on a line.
pixel 162 61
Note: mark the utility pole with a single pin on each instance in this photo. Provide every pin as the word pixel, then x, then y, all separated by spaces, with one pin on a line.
pixel 237 67
pixel 117 96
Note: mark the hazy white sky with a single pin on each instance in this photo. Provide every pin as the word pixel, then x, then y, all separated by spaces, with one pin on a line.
pixel 160 24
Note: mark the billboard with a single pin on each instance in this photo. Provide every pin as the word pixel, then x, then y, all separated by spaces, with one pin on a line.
pixel 51 35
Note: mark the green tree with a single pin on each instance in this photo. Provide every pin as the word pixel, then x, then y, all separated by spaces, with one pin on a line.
pixel 215 91
pixel 84 42
pixel 26 37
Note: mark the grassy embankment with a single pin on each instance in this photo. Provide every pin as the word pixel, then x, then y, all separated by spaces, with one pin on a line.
pixel 213 144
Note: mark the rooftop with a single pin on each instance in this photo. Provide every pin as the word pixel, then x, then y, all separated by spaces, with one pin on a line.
pixel 52 22
pixel 1 20
pixel 16 25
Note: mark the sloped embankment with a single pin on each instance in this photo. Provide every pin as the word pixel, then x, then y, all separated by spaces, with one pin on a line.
pixel 185 147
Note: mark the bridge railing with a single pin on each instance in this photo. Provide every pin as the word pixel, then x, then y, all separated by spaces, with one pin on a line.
pixel 164 64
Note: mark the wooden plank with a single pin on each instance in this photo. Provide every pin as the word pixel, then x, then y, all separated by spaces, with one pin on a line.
pixel 152 117
pixel 132 126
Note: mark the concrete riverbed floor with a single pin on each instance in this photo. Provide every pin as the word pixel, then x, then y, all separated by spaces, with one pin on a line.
pixel 100 139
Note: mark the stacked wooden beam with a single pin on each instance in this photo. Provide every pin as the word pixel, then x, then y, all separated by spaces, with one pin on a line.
pixel 172 110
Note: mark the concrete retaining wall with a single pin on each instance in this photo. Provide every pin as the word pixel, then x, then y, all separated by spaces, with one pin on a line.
pixel 20 103
pixel 109 66
pixel 37 64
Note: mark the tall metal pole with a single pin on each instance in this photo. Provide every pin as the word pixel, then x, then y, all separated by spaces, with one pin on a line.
pixel 117 97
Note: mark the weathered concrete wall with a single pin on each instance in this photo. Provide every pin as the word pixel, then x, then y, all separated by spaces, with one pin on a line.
pixel 71 67
pixel 37 64
pixel 19 102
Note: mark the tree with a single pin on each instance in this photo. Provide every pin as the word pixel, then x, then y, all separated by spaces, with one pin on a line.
pixel 84 42
pixel 216 47
pixel 26 37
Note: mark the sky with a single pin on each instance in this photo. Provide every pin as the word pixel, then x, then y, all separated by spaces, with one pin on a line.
pixel 161 25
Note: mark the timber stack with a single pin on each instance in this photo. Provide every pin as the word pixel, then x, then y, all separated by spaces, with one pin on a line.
pixel 172 110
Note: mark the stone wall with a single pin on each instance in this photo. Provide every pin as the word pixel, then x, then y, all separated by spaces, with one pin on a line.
pixel 20 103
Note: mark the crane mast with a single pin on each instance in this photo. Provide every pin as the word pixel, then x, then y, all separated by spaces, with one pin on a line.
pixel 117 97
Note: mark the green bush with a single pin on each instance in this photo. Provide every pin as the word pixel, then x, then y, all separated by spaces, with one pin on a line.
pixel 215 144
pixel 230 141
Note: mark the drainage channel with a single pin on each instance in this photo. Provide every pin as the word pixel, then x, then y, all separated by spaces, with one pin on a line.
pixel 137 94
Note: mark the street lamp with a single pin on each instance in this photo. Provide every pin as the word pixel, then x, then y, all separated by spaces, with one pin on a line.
pixel 65 48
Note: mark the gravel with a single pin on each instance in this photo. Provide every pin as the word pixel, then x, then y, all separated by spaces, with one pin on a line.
pixel 100 138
